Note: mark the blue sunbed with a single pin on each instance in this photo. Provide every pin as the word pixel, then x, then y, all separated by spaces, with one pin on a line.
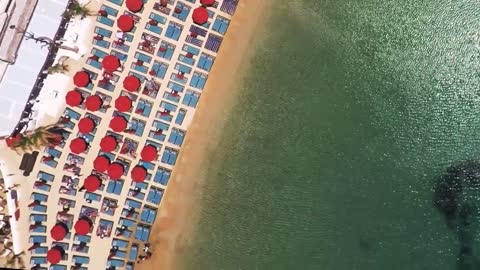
pixel 72 114
pixel 38 260
pixel 58 267
pixel 168 53
pixel 40 250
pixel 80 259
pixel 191 49
pixel 39 208
pixel 154 28
pixel 119 243
pixel 44 187
pixel 133 253
pixel 184 12
pixel 105 21
pixel 133 215
pixel 160 19
pixel 183 68
pixel 39 197
pixel 191 99
pixel 141 185
pixel 45 176
pixel 160 69
pixel 120 254
pixel 133 203
pixel 162 176
pixel 126 222
pixel 94 63
pixel 186 60
pixel 173 31
pixel 147 165
pixel 118 2
pixel 37 239
pixel 110 10
pixel 103 32
pixel 160 125
pixel 82 238
pixel 92 196
pixel 115 262
pixel 180 117
pixel 40 229
pixel 205 62
pixel 102 43
pixel 143 57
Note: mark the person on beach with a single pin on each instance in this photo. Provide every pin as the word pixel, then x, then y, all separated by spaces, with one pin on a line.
pixel 147 247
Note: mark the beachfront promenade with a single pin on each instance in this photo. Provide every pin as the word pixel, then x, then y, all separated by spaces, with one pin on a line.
pixel 93 198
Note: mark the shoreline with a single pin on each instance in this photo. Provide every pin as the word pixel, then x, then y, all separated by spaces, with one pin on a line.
pixel 172 231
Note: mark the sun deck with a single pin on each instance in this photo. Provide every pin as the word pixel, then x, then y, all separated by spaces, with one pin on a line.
pixel 169 57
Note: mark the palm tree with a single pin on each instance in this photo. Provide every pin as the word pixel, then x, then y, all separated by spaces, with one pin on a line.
pixel 50 135
pixel 58 68
pixel 78 10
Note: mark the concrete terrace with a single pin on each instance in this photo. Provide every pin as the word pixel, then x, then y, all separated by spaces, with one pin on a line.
pixel 20 77
pixel 171 57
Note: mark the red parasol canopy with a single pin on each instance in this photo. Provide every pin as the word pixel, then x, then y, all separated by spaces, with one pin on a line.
pixel 115 170
pixel 78 145
pixel 131 83
pixel 134 5
pixel 93 103
pixel 74 98
pixel 200 15
pixel 110 63
pixel 81 78
pixel 82 227
pixel 86 125
pixel 108 143
pixel 149 153
pixel 58 232
pixel 125 23
pixel 92 183
pixel 118 123
pixel 138 174
pixel 101 163
pixel 123 104
pixel 54 255
pixel 207 2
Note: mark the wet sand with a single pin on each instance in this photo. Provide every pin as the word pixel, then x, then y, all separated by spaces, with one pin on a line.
pixel 173 227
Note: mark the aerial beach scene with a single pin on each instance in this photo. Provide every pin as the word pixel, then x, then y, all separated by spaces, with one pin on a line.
pixel 239 134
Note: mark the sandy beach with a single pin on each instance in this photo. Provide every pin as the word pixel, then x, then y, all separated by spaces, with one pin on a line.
pixel 172 229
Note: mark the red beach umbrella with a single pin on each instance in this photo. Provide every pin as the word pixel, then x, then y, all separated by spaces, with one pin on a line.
pixel 125 23
pixel 131 83
pixel 86 125
pixel 108 143
pixel 123 104
pixel 115 170
pixel 54 255
pixel 110 63
pixel 200 15
pixel 78 145
pixel 93 103
pixel 58 232
pixel 74 98
pixel 134 5
pixel 207 2
pixel 101 163
pixel 81 78
pixel 138 174
pixel 149 153
pixel 82 227
pixel 118 123
pixel 92 183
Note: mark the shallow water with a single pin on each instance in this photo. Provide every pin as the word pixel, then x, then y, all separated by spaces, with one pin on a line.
pixel 349 113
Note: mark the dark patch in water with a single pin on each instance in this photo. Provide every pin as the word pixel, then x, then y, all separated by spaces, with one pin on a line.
pixel 457 197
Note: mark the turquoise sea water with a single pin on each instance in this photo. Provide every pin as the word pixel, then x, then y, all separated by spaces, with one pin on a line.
pixel 349 113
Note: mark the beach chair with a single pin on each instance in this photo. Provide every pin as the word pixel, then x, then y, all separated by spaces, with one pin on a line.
pixel 160 69
pixel 38 260
pixel 119 243
pixel 173 31
pixel 119 55
pixel 37 239
pixel 198 80
pixel 40 250
pixel 186 60
pixel 134 204
pixel 159 18
pixel 102 43
pixel 142 69
pixel 213 42
pixel 58 267
pixel 115 263
pixel 169 156
pixel 176 136
pixel 191 99
pixel 132 256
pixel 39 208
pixel 221 25
pixel 229 6
pixel 162 176
pixel 180 117
pixel 99 53
pixel 82 238
pixel 40 229
pixel 175 87
pixel 122 47
pixel 39 197
pixel 205 62
pixel 109 10
pixel 72 114
pixel 128 37
pixel 80 259
pixel 92 196
pixel 126 222
pixel 103 32
pixel 106 21
pixel 117 2
pixel 184 11
pixel 120 254
pixel 143 57
pixel 44 187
